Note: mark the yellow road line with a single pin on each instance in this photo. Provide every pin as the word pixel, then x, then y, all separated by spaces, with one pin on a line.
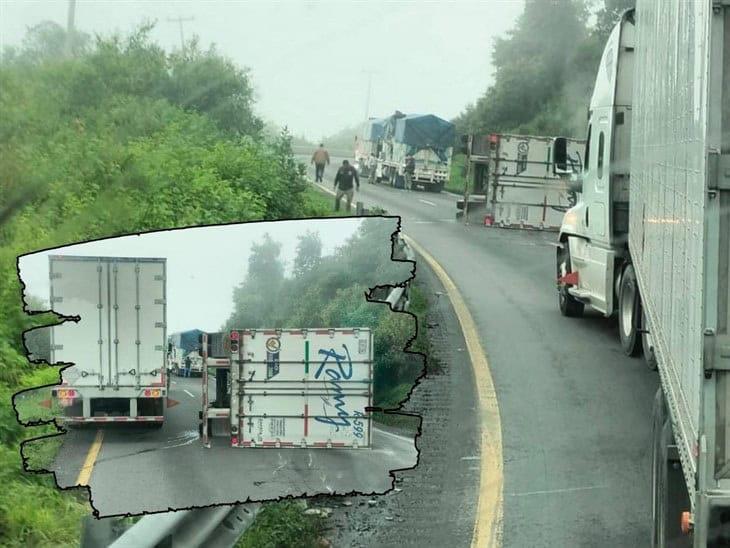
pixel 488 522
pixel 88 467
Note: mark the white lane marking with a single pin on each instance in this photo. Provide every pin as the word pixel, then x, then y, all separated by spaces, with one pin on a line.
pixel 426 202
pixel 173 382
pixel 189 393
pixel 471 458
pixel 552 491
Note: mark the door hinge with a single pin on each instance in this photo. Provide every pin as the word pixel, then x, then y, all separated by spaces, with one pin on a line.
pixel 716 351
pixel 718 171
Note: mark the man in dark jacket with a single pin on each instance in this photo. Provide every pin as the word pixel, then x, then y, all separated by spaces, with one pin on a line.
pixel 343 184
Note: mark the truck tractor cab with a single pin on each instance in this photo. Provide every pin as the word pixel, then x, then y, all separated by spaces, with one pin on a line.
pixel 593 243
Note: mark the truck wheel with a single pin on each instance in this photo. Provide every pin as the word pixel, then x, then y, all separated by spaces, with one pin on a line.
pixel 629 312
pixel 669 494
pixel 647 343
pixel 569 305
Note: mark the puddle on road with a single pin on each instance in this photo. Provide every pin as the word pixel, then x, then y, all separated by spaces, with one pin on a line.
pixel 183 438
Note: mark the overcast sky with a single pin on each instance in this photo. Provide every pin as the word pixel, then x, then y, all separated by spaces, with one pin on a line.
pixel 204 264
pixel 308 58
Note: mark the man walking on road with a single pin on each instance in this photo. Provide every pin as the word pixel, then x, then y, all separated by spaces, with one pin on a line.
pixel 343 184
pixel 320 158
pixel 187 366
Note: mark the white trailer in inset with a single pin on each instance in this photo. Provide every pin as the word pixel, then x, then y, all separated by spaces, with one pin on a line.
pixel 649 242
pixel 117 344
pixel 291 388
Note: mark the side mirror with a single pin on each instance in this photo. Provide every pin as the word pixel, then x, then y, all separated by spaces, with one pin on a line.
pixel 561 164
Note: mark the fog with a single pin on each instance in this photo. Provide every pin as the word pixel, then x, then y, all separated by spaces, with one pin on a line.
pixel 204 264
pixel 309 59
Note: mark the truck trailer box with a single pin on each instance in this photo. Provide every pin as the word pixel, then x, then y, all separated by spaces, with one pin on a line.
pixel 301 388
pixel 117 345
pixel 513 179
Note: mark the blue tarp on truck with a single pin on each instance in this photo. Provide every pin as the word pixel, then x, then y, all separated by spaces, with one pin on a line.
pixel 374 129
pixel 424 131
pixel 186 340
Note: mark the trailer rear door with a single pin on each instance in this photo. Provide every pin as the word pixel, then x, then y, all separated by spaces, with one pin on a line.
pixel 302 388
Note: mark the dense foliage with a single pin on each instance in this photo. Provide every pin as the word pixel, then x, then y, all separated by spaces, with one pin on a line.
pixel 119 138
pixel 544 70
pixel 329 291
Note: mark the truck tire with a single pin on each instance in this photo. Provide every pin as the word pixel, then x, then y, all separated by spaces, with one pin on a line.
pixel 569 305
pixel 669 494
pixel 436 187
pixel 647 343
pixel 629 312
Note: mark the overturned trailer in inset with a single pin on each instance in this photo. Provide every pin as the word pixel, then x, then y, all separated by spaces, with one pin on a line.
pixel 289 387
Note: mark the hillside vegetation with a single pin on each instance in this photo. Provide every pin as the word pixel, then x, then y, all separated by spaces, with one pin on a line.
pixel 120 137
pixel 544 69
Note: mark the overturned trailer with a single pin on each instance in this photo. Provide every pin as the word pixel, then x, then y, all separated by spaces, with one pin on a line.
pixel 288 388
pixel 513 184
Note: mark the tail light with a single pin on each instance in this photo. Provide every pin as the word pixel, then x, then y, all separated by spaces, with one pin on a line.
pixel 234 441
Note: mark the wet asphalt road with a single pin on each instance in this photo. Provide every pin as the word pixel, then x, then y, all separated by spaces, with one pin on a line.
pixel 140 470
pixel 575 412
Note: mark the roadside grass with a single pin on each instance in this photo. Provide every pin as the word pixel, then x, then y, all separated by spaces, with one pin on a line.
pixel 33 512
pixel 321 204
pixel 282 524
pixel 456 178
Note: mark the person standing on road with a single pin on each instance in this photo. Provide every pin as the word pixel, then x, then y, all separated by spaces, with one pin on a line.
pixel 320 158
pixel 343 184
pixel 409 170
pixel 187 366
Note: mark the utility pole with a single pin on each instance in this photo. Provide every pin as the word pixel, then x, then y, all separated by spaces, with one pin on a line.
pixel 70 27
pixel 370 87
pixel 180 21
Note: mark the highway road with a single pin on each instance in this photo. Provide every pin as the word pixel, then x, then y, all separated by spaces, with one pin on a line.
pixel 575 411
pixel 139 470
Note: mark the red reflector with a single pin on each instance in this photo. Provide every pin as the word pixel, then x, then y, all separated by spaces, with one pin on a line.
pixel 234 335
pixel 234 441
pixel 571 278
pixel 488 220
pixel 147 392
pixel 493 138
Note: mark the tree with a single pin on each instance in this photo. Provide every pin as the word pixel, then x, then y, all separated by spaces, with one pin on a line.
pixel 544 70
pixel 209 83
pixel 309 254
pixel 46 41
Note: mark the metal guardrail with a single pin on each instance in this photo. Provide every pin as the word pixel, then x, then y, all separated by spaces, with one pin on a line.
pixel 216 527
pixel 398 296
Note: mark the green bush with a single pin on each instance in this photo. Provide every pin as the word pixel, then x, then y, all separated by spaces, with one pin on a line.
pixel 282 525
pixel 119 139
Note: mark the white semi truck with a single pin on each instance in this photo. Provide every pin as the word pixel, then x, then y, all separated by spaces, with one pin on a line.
pixel 512 182
pixel 649 241
pixel 117 345
pixel 288 388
